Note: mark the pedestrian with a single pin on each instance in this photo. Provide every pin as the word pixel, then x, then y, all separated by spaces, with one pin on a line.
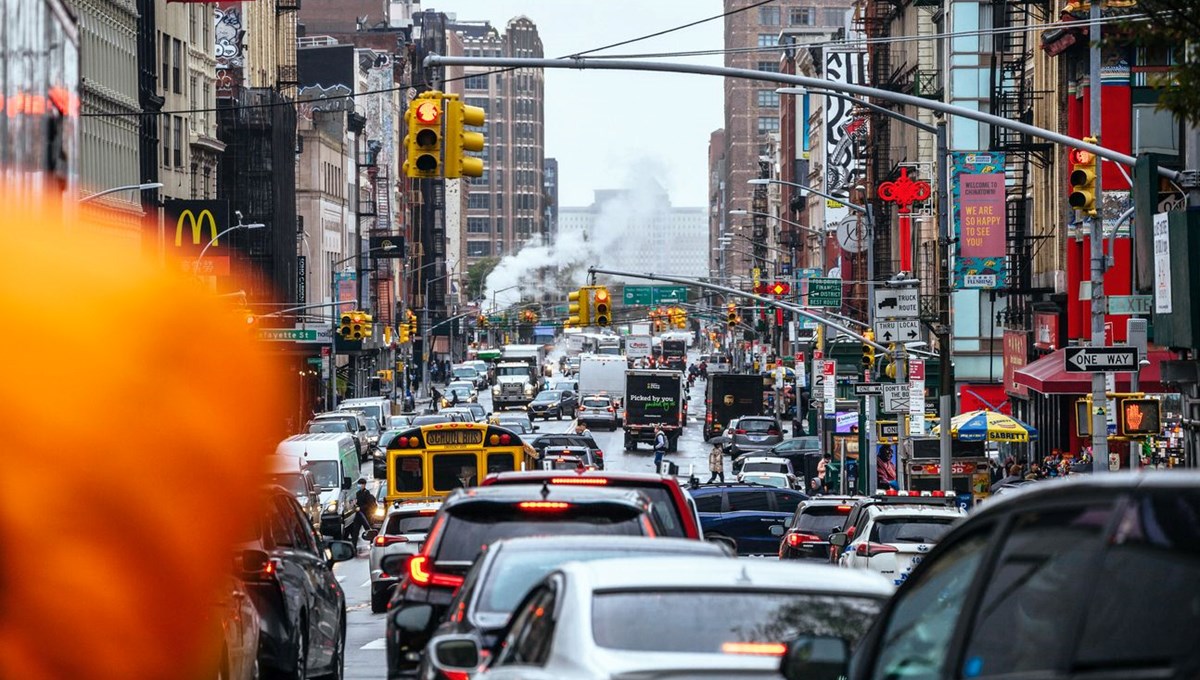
pixel 660 445
pixel 366 506
pixel 886 470
pixel 823 471
pixel 582 429
pixel 409 402
pixel 437 399
pixel 716 464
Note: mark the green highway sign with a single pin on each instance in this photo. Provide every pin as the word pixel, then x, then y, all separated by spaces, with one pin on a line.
pixel 287 335
pixel 824 292
pixel 653 295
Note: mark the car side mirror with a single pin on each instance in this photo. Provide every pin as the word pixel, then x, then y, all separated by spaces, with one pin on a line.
pixel 536 428
pixel 346 483
pixel 415 619
pixel 396 565
pixel 815 657
pixel 455 653
pixel 776 530
pixel 254 561
pixel 839 539
pixel 370 535
pixel 339 551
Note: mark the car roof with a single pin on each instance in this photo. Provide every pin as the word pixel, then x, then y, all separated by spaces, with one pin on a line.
pixel 687 572
pixel 917 510
pixel 757 418
pixel 400 507
pixel 768 459
pixel 516 493
pixel 737 486
pixel 599 541
pixel 535 476
pixel 1063 488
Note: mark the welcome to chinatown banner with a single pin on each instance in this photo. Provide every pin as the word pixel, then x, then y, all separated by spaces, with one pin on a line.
pixel 978 218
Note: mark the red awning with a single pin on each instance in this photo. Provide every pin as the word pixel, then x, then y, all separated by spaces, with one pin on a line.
pixel 1049 375
pixel 987 397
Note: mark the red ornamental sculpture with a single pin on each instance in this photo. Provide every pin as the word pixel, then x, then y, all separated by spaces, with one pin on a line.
pixel 904 192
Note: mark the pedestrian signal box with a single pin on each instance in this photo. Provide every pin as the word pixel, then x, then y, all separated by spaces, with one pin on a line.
pixel 1139 416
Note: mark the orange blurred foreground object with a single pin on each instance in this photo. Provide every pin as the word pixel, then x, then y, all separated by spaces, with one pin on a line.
pixel 137 414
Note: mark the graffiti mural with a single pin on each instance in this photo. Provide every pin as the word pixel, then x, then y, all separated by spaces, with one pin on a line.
pixel 230 47
pixel 327 77
pixel 313 98
pixel 845 132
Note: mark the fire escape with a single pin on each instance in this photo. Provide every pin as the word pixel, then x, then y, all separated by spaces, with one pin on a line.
pixel 1013 97
pixel 876 22
pixel 374 210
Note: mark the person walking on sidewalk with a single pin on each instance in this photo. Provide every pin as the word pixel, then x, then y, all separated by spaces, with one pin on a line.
pixel 660 446
pixel 716 464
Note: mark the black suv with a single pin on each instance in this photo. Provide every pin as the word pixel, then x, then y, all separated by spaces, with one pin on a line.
pixel 288 570
pixel 1092 576
pixel 745 513
pixel 557 403
pixel 807 533
pixel 471 519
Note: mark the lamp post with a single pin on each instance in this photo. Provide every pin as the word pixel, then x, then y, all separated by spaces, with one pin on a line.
pixel 239 225
pixel 333 265
pixel 823 235
pixel 145 186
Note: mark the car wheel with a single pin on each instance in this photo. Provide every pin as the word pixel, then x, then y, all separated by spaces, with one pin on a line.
pixel 300 657
pixel 558 417
pixel 379 599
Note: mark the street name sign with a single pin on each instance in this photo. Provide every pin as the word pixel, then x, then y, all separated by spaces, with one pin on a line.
pixel 897 303
pixel 900 330
pixel 868 389
pixel 1131 304
pixel 824 292
pixel 1101 359
pixel 287 335
pixel 895 397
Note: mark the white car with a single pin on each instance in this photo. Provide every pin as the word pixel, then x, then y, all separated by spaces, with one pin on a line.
pixel 778 480
pixel 771 467
pixel 636 617
pixel 892 539
pixel 403 531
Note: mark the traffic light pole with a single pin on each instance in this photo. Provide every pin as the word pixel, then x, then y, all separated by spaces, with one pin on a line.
pixel 1099 302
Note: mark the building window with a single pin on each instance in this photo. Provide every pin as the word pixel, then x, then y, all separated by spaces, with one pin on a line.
pixel 499 202
pixel 476 82
pixel 768 98
pixel 834 17
pixel 177 67
pixel 481 102
pixel 477 225
pixel 178 141
pixel 768 124
pixel 478 200
pixel 166 141
pixel 767 40
pixel 768 15
pixel 802 16
pixel 192 36
pixel 165 54
pixel 194 93
pixel 768 66
pixel 479 248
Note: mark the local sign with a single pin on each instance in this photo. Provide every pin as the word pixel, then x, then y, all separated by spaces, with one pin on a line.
pixel 899 330
pixel 1101 359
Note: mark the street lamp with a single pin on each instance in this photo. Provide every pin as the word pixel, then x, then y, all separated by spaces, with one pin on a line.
pixel 239 225
pixel 803 187
pixel 145 186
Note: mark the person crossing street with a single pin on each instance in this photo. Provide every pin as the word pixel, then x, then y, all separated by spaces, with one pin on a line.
pixel 716 464
pixel 366 506
pixel 660 446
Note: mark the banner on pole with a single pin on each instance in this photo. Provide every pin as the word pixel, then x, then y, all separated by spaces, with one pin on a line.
pixel 978 218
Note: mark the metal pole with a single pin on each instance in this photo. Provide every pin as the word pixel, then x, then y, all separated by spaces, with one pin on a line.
pixel 1099 302
pixel 425 353
pixel 872 460
pixel 332 405
pixel 946 391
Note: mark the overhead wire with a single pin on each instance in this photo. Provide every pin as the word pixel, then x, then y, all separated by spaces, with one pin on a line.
pixel 422 83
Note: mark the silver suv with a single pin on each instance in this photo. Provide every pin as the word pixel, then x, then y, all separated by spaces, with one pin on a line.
pixel 598 410
pixel 402 533
pixel 754 433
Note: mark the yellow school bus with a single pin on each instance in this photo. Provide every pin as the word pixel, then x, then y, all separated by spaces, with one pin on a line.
pixel 430 461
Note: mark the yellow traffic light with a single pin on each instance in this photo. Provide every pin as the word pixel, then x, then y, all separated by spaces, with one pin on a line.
pixel 423 142
pixel 366 324
pixel 868 351
pixel 345 328
pixel 402 333
pixel 601 306
pixel 460 141
pixel 1084 167
pixel 577 308
pixel 731 315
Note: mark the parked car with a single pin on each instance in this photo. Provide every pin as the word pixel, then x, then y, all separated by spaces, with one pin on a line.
pixel 1071 578
pixel 510 567
pixel 753 433
pixel 666 617
pixel 403 532
pixel 556 403
pixel 744 514
pixel 892 538
pixel 237 656
pixel 671 504
pixel 567 439
pixel 288 569
pixel 597 410
pixel 468 521
pixel 807 533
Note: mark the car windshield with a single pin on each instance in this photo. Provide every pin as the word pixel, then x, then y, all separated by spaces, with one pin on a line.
pixel 459 391
pixel 327 426
pixel 292 481
pixel 549 395
pixel 909 529
pixel 467 532
pixel 325 474
pixel 763 466
pixel 512 370
pixel 635 620
pixel 820 521
pixel 768 480
pixel 401 523
pixel 756 426
pixel 466 372
pixel 799 444
pixel 372 410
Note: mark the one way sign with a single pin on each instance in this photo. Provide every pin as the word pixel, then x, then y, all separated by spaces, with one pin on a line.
pixel 900 330
pixel 1101 359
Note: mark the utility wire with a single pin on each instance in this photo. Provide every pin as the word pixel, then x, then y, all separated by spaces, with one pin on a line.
pixel 421 84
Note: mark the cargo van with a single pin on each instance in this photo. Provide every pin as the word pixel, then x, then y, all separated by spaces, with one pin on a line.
pixel 333 460
pixel 381 408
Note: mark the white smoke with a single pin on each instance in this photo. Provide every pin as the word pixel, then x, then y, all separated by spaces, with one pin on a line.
pixel 623 220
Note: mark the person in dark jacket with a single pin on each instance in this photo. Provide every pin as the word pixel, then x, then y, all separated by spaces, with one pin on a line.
pixel 366 506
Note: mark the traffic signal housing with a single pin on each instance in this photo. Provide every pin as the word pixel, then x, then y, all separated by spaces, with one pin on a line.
pixel 360 325
pixel 868 350
pixel 402 334
pixel 1084 167
pixel 459 141
pixel 577 308
pixel 601 306
pixel 1140 416
pixel 423 142
pixel 346 326
pixel 731 315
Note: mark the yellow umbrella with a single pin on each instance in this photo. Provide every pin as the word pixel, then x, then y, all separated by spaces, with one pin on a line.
pixel 981 425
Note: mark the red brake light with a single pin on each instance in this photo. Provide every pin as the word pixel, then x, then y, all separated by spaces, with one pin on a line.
pixel 416 570
pixel 599 453
pixel 844 509
pixel 543 505
pixel 796 540
pixel 505 440
pixel 582 481
pixel 402 441
pixel 739 431
pixel 873 549
pixel 389 540
pixel 773 431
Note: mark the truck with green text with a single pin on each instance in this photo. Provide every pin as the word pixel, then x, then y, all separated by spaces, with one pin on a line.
pixel 653 398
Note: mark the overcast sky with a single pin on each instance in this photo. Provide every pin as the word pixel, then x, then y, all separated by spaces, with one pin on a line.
pixel 609 129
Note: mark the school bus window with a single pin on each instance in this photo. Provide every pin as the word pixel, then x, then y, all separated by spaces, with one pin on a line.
pixel 406 471
pixel 454 471
pixel 501 462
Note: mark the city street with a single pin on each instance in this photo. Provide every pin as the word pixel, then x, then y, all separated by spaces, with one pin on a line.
pixel 365 647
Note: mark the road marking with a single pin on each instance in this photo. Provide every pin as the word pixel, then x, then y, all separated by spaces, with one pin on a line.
pixel 380 643
pixel 364 584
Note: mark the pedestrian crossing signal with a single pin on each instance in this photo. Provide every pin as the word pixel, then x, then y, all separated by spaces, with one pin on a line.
pixel 1139 416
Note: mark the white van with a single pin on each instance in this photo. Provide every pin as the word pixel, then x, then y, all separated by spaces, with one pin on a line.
pixel 333 460
pixel 380 407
